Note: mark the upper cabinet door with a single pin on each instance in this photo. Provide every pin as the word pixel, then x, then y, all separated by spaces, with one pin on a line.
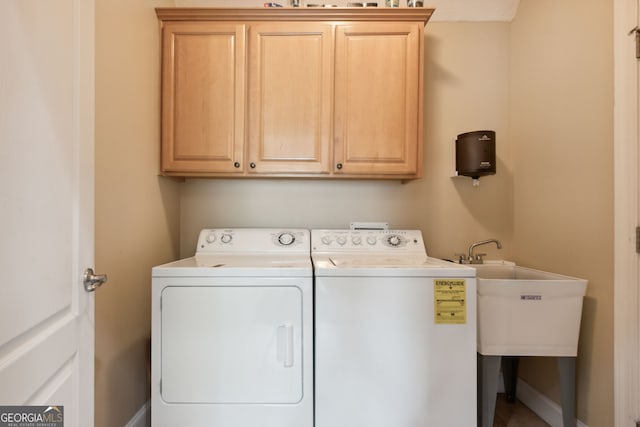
pixel 203 75
pixel 290 95
pixel 378 99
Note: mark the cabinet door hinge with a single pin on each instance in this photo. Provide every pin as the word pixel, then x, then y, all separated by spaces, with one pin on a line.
pixel 638 245
pixel 636 31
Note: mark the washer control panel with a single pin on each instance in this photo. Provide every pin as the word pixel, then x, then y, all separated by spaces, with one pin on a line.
pixel 366 240
pixel 230 240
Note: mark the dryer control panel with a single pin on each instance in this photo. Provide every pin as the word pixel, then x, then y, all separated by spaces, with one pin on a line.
pixel 409 241
pixel 230 240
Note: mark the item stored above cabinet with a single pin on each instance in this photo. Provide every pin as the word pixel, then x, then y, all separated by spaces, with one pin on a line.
pixel 284 92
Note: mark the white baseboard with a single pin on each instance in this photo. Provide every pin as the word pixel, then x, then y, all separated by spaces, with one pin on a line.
pixel 142 418
pixel 544 407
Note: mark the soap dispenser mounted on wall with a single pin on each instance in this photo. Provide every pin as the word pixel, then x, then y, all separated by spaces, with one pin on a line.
pixel 476 154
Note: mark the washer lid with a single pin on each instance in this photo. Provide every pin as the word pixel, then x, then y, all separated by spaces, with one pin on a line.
pixel 247 265
pixel 387 266
pixel 388 261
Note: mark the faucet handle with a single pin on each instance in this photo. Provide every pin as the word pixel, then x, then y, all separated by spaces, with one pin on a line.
pixel 479 259
pixel 462 259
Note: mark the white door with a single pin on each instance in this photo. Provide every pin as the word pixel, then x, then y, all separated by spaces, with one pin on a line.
pixel 46 205
pixel 627 215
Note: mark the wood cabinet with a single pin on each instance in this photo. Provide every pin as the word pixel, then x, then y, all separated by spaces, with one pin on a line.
pixel 378 99
pixel 335 93
pixel 290 87
pixel 203 102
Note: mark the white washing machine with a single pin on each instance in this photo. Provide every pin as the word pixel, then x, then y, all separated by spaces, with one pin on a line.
pixel 395 332
pixel 232 332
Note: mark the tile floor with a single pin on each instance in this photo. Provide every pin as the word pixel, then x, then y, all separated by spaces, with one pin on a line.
pixel 515 415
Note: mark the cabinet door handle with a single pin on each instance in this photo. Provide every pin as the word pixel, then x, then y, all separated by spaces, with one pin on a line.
pixel 252 165
pixel 339 166
pixel 236 165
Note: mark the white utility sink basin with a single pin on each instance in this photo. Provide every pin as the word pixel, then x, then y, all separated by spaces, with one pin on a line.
pixel 527 312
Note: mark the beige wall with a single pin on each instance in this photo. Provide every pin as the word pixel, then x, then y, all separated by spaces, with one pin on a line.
pixel 550 203
pixel 561 128
pixel 136 211
pixel 465 77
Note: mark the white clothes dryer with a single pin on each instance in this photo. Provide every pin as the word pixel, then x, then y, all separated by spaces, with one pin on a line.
pixel 395 332
pixel 232 332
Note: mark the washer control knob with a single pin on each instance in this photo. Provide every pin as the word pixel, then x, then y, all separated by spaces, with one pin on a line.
pixel 226 238
pixel 356 240
pixel 286 239
pixel 341 240
pixel 211 238
pixel 394 240
pixel 371 240
pixel 326 240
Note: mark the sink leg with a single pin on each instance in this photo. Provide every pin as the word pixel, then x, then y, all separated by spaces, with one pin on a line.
pixel 510 374
pixel 489 374
pixel 567 371
pixel 479 385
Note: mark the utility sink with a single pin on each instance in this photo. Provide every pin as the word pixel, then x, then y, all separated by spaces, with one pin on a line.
pixel 527 312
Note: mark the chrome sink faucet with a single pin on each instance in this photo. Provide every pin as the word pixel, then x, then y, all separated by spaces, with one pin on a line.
pixel 477 258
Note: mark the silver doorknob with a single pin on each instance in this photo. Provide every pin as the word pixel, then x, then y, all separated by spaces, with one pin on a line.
pixel 92 281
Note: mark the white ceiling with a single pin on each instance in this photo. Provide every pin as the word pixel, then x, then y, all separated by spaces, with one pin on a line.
pixel 445 10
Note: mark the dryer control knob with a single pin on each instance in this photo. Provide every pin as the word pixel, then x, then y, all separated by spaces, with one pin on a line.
pixel 226 238
pixel 211 238
pixel 326 240
pixel 394 240
pixel 356 240
pixel 371 240
pixel 286 239
pixel 341 240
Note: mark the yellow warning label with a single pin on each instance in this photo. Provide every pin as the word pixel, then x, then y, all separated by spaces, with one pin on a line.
pixel 450 301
